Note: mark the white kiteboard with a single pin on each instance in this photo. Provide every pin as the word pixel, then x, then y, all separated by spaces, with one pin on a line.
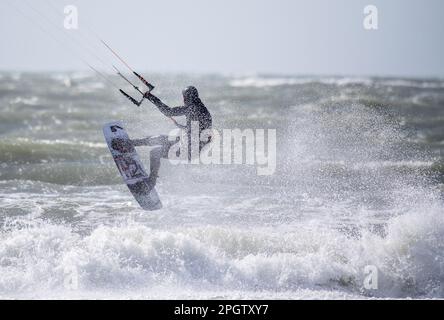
pixel 130 166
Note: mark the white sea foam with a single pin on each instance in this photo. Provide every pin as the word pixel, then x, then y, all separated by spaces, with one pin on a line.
pixel 259 82
pixel 28 101
pixel 267 82
pixel 276 81
pixel 132 260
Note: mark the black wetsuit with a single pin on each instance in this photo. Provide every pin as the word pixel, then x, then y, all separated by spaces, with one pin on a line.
pixel 195 110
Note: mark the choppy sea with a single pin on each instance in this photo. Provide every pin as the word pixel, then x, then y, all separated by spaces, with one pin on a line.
pixel 358 186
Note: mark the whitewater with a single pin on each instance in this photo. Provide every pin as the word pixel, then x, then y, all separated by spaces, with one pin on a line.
pixel 359 182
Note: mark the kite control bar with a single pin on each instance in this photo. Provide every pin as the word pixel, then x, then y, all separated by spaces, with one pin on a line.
pixel 149 85
pixel 146 83
pixel 137 103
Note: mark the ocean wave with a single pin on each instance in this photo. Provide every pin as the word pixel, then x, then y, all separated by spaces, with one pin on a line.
pixel 60 161
pixel 412 166
pixel 421 84
pixel 66 173
pixel 28 151
pixel 267 82
pixel 133 259
pixel 32 101
pixel 261 82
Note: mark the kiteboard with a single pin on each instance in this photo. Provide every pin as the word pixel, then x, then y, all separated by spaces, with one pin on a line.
pixel 130 166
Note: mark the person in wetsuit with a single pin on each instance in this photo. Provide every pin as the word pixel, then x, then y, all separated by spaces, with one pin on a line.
pixel 193 110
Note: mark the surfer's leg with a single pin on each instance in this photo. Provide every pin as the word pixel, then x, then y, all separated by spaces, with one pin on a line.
pixel 156 154
pixel 151 141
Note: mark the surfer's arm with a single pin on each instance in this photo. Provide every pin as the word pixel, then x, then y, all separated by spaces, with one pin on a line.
pixel 169 112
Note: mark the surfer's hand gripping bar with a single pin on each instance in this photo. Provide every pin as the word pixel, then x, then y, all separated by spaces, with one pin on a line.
pixel 149 85
pixel 146 83
pixel 145 95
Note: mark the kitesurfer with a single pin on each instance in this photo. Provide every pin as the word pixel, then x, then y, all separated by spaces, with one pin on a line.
pixel 194 110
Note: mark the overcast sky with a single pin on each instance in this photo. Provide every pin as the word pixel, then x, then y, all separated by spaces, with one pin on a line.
pixel 229 36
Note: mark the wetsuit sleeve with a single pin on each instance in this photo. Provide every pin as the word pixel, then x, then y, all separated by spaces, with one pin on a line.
pixel 169 112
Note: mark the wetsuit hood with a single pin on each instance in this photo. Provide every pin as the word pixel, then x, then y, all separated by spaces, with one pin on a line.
pixel 190 95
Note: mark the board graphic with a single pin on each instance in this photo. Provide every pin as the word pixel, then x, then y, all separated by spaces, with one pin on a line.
pixel 130 166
